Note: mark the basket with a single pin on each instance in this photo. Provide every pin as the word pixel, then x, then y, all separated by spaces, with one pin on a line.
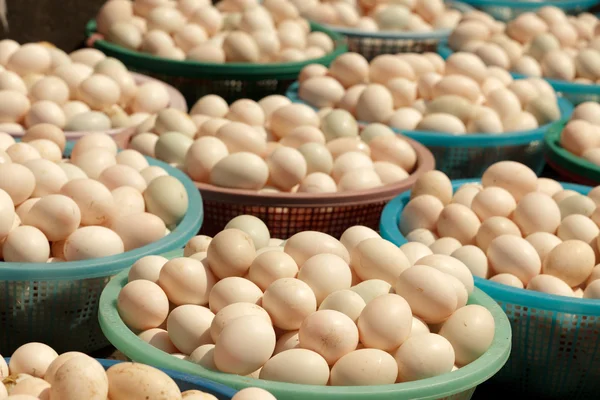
pixel 576 93
pixel 372 44
pixel 556 340
pixel 567 164
pixel 458 385
pixel 176 101
pixel 505 10
pixel 184 381
pixel 468 156
pixel 231 81
pixel 57 303
pixel 286 214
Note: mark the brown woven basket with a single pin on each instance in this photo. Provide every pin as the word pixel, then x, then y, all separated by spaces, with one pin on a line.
pixel 288 213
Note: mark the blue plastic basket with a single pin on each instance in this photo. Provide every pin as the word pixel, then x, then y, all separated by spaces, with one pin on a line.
pixel 57 303
pixel 184 381
pixel 468 156
pixel 372 44
pixel 505 10
pixel 576 93
pixel 556 340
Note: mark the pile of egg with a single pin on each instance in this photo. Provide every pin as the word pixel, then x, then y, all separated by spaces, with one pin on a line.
pixel 546 43
pixel 81 91
pixel 423 92
pixel 275 146
pixel 309 310
pixel 246 31
pixel 373 16
pixel 581 135
pixel 97 203
pixel 35 371
pixel 514 228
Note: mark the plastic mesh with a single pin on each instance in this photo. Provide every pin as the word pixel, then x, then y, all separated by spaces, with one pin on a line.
pixel 471 162
pixel 372 47
pixel 555 355
pixel 230 89
pixel 63 314
pixel 284 222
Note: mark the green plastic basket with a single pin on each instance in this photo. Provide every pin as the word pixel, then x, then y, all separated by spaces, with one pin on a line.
pixel 567 164
pixel 372 44
pixel 231 81
pixel 458 385
pixel 57 303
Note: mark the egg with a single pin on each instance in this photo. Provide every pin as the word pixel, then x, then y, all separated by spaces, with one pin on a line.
pixel 139 313
pixel 325 325
pixel 189 327
pixel 244 345
pixel 84 243
pixel 57 216
pixel 308 368
pixel 166 197
pixel 385 322
pixel 132 379
pixel 525 267
pixel 424 356
pixel 375 94
pixel 270 266
pixel 493 227
pixel 67 381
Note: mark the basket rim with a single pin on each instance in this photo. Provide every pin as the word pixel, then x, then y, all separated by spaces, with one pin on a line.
pixel 106 266
pixel 438 34
pixel 439 139
pixel 176 101
pixel 190 68
pixel 458 381
pixel 390 218
pixel 425 162
pixel 199 382
pixel 570 162
pixel 532 4
pixel 558 85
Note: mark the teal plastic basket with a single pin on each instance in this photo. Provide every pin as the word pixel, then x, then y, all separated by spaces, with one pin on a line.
pixel 457 385
pixel 556 340
pixel 57 303
pixel 372 44
pixel 576 93
pixel 468 156
pixel 184 381
pixel 505 10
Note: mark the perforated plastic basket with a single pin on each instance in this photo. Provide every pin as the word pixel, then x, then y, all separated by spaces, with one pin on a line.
pixel 230 80
pixel 184 381
pixel 176 101
pixel 458 385
pixel 505 10
pixel 569 165
pixel 57 303
pixel 288 213
pixel 576 93
pixel 372 44
pixel 468 156
pixel 556 340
